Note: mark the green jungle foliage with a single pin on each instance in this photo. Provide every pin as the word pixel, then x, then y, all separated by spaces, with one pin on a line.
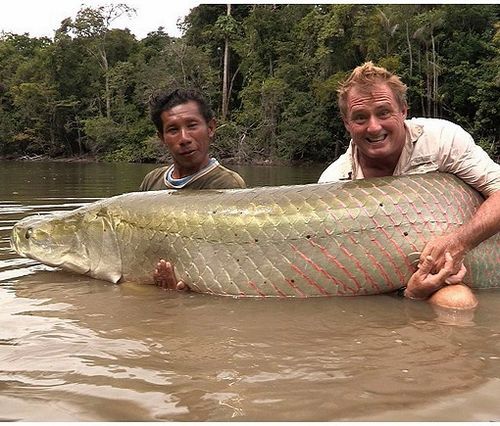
pixel 84 92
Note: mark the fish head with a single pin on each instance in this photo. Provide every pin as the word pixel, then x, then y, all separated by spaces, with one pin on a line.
pixel 52 239
pixel 78 241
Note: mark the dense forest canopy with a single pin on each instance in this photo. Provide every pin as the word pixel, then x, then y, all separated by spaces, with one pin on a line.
pixel 270 71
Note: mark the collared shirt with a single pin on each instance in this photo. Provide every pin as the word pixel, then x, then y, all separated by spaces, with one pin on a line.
pixel 432 145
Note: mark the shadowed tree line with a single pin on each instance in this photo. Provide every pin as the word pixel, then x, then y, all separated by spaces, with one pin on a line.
pixel 270 71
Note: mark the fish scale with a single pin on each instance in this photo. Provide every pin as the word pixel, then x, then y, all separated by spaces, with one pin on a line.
pixel 343 239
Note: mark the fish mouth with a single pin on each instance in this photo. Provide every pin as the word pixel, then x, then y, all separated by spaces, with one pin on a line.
pixel 15 240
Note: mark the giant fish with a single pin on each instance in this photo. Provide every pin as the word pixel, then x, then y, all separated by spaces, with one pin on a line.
pixel 344 239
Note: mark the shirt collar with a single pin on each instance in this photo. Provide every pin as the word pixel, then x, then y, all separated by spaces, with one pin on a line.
pixel 180 183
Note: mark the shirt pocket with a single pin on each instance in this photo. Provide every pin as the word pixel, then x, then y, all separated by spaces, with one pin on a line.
pixel 423 164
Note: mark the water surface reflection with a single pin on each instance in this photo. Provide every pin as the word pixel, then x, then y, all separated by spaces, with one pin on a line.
pixel 78 349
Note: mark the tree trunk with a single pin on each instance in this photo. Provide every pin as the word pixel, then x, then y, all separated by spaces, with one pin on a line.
pixel 434 78
pixel 428 82
pixel 79 135
pixel 107 92
pixel 108 98
pixel 225 76
pixel 422 92
pixel 409 49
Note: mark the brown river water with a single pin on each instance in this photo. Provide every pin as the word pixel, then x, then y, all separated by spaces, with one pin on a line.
pixel 77 349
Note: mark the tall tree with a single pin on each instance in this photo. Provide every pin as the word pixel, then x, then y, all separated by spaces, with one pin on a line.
pixel 93 25
pixel 225 78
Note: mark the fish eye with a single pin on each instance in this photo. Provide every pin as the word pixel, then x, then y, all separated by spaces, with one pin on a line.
pixel 29 231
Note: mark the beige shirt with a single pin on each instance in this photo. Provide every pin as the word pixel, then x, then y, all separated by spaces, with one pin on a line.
pixel 432 145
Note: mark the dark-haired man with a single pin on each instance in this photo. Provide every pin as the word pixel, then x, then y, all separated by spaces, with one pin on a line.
pixel 185 123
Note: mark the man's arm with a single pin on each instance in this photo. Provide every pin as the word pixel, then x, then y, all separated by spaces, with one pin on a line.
pixel 461 156
pixel 484 224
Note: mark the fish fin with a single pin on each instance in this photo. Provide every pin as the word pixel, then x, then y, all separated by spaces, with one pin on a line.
pixel 73 265
pixel 105 256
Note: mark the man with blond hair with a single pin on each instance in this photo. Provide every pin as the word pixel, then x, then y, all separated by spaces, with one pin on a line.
pixel 374 110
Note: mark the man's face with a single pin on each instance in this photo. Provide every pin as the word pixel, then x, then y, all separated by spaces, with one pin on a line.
pixel 375 122
pixel 187 136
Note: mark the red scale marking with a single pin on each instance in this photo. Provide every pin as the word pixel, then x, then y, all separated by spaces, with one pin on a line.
pixel 254 286
pixel 396 245
pixel 337 282
pixel 470 201
pixel 437 203
pixel 377 265
pixel 404 215
pixel 444 190
pixel 358 264
pixel 383 272
pixel 297 289
pixel 307 278
pixel 398 248
pixel 332 259
pixel 414 228
pixel 413 246
pixel 465 202
pixel 378 226
pixel 424 202
pixel 278 291
pixel 377 243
